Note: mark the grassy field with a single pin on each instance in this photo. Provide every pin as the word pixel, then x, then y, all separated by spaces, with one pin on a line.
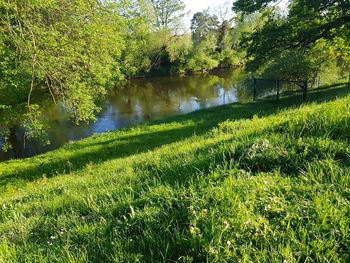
pixel 256 182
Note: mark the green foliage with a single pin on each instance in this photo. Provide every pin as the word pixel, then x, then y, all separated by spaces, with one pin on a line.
pixel 244 182
pixel 307 21
pixel 301 28
pixel 203 56
pixel 179 50
pixel 306 64
pixel 249 7
pixel 66 49
pixel 135 58
pixel 70 52
pixel 168 13
pixel 35 126
pixel 293 65
pixel 203 24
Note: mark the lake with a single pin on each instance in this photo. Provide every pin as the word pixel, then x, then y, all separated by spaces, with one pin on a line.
pixel 138 101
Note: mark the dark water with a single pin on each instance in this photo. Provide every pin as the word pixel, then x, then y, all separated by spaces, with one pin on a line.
pixel 139 101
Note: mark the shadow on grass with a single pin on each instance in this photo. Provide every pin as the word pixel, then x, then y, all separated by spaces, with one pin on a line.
pixel 64 161
pixel 166 231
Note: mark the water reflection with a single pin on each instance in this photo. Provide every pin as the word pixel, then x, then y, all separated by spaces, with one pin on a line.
pixel 138 101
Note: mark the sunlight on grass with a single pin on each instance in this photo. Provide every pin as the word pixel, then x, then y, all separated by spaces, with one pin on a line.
pixel 239 183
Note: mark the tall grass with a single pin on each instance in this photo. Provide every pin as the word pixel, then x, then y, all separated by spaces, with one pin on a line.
pixel 240 183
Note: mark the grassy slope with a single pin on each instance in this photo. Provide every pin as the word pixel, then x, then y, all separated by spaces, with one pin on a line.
pixel 249 182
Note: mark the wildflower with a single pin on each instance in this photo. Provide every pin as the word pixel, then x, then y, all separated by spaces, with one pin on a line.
pixel 267 208
pixel 212 250
pixel 192 230
pixel 62 231
pixel 228 242
pixel 52 237
pixel 195 230
pixel 285 261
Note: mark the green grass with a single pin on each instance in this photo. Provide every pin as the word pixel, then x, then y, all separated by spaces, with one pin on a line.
pixel 258 182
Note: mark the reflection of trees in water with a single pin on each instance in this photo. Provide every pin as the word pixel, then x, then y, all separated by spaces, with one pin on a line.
pixel 237 80
pixel 245 90
pixel 163 94
pixel 155 97
pixel 145 99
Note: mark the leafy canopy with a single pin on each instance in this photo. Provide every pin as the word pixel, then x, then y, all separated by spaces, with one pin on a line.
pixel 299 28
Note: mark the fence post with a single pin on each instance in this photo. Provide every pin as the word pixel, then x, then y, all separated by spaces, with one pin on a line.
pixel 305 90
pixel 254 92
pixel 278 90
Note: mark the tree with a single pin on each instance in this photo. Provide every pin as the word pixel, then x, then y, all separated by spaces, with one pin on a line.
pixel 305 24
pixel 202 24
pixel 178 51
pixel 135 59
pixel 204 56
pixel 67 50
pixel 168 13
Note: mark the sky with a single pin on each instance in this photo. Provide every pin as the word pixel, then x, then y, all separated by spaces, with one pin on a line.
pixel 193 6
pixel 199 5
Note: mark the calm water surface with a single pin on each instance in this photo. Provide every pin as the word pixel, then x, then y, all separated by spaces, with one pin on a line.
pixel 139 101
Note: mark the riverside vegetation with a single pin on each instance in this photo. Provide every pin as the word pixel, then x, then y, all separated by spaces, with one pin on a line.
pixel 71 53
pixel 255 182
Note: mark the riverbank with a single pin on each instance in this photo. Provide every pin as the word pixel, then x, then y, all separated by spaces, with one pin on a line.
pixel 137 102
pixel 167 72
pixel 251 182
